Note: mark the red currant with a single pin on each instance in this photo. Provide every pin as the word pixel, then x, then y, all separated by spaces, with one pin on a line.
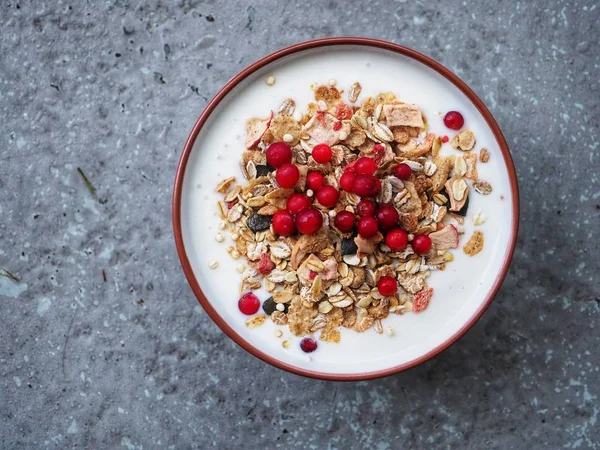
pixel 297 202
pixel 249 304
pixel 396 239
pixel 344 221
pixel 387 286
pixel 283 223
pixel 322 153
pixel 347 181
pixel 421 244
pixel 365 208
pixel 308 345
pixel 365 166
pixel 454 120
pixel 377 188
pixel 287 175
pixel 365 185
pixel 309 220
pixel 403 171
pixel 278 153
pixel 367 227
pixel 328 196
pixel 315 181
pixel 387 216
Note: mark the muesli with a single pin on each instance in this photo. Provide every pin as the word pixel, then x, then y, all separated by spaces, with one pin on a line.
pixel 346 210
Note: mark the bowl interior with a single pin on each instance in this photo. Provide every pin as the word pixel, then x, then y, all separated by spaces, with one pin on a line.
pixel 461 291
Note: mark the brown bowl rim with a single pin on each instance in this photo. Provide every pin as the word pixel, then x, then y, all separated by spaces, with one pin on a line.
pixel 325 42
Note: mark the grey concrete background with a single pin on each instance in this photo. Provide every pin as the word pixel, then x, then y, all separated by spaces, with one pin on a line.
pixel 113 88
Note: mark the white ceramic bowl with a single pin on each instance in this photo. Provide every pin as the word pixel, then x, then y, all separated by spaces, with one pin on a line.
pixel 462 292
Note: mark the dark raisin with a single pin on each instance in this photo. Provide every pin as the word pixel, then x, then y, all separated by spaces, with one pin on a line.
pixel 263 170
pixel 463 210
pixel 258 222
pixel 348 246
pixel 269 306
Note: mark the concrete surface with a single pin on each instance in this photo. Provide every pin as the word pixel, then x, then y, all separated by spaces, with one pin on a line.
pixel 113 87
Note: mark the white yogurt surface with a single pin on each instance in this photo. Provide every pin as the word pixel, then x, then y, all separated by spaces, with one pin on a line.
pixel 459 291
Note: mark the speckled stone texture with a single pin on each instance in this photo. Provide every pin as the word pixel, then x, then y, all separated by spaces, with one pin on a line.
pixel 113 87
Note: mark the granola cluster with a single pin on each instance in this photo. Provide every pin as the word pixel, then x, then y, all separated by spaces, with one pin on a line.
pixel 329 279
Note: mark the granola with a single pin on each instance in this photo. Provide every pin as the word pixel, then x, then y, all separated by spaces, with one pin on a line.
pixel 346 210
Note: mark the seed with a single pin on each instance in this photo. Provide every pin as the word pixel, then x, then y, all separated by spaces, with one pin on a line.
pixel 390 331
pixel 343 135
pixel 213 264
pixel 440 199
pixel 429 169
pixel 235 236
pixel 460 166
pixel 479 218
pixel 222 225
pixel 309 193
pixel 219 237
pixel 280 307
pixel 235 254
pixel 484 155
pixel 270 80
pixel 288 137
pixel 332 82
pixel 354 91
pixel 240 268
pixel 278 333
pixel 286 344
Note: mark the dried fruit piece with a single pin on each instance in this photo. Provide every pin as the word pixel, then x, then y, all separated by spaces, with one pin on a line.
pixel 403 115
pixel 255 129
pixel 422 299
pixel 257 222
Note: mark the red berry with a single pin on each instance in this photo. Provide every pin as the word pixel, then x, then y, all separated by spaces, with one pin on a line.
pixel 365 208
pixel 315 181
pixel 377 188
pixel 287 175
pixel 297 202
pixel 365 166
pixel 249 304
pixel 421 244
pixel 387 286
pixel 308 345
pixel 350 167
pixel 396 239
pixel 445 139
pixel 278 153
pixel 328 196
pixel 309 220
pixel 283 223
pixel 403 171
pixel 347 181
pixel 322 153
pixel 337 126
pixel 365 185
pixel 344 221
pixel 367 227
pixel 454 120
pixel 387 216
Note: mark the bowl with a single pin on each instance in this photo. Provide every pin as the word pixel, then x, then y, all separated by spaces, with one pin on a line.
pixel 211 153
